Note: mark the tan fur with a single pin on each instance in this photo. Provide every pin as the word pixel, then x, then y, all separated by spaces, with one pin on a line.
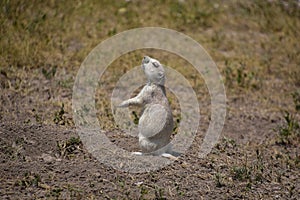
pixel 156 122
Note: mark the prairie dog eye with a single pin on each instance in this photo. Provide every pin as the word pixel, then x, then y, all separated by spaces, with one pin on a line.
pixel 146 60
pixel 155 64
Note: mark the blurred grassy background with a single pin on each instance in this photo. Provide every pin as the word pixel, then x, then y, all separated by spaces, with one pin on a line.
pixel 254 43
pixel 37 33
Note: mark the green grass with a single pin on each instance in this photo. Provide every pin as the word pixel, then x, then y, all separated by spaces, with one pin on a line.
pixel 29 180
pixel 59 117
pixel 69 148
pixel 289 132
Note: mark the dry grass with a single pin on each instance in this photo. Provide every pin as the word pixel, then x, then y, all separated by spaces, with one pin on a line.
pixel 255 45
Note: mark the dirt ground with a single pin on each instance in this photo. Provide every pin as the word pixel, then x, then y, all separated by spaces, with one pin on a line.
pixel 255 45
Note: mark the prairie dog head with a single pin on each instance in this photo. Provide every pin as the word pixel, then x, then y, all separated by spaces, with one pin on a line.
pixel 153 70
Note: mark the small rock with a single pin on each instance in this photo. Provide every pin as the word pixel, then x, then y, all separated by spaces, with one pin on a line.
pixel 27 159
pixel 44 186
pixel 97 174
pixel 139 183
pixel 47 158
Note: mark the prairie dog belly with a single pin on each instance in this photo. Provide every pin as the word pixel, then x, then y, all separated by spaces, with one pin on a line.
pixel 155 127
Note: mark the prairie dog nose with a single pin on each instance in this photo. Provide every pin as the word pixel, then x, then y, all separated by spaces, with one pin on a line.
pixel 146 60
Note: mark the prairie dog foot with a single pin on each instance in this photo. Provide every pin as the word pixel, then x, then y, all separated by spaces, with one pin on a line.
pixel 165 155
pixel 137 153
pixel 170 156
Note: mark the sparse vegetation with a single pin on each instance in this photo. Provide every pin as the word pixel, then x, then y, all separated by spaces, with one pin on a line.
pixel 29 180
pixel 250 174
pixel 70 147
pixel 255 45
pixel 241 173
pixel 236 74
pixel 289 132
pixel 225 144
pixel 49 73
pixel 59 117
pixel 219 180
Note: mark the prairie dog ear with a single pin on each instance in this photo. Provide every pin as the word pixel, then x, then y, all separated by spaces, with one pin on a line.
pixel 146 60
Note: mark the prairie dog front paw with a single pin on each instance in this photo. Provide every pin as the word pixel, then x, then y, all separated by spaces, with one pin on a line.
pixel 122 105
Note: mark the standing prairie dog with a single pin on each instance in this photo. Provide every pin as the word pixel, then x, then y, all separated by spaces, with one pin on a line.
pixel 156 123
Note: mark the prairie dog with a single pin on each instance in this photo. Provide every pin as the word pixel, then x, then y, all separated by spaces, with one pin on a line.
pixel 156 123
